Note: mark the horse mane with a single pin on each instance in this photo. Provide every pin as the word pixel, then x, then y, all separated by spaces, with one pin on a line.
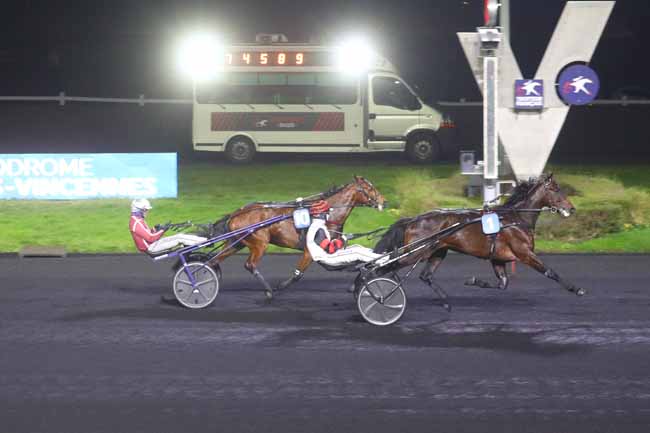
pixel 333 190
pixel 520 193
pixel 323 195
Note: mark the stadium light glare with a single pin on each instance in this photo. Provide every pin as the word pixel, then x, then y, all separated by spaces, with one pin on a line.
pixel 355 55
pixel 201 56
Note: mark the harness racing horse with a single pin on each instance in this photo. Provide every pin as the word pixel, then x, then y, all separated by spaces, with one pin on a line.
pixel 515 241
pixel 342 200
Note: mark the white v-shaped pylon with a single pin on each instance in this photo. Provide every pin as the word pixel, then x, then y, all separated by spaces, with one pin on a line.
pixel 528 137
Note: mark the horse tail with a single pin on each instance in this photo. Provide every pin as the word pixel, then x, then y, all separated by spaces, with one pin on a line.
pixel 393 238
pixel 220 227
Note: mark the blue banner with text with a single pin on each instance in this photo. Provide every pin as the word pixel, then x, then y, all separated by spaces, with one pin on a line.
pixel 88 176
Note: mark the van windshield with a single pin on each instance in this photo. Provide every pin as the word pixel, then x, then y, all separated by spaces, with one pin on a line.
pixel 392 92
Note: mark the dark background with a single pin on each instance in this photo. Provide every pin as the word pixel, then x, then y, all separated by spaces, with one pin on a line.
pixel 126 48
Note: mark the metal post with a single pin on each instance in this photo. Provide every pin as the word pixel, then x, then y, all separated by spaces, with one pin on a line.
pixel 490 126
pixel 193 102
pixel 504 19
pixel 490 38
pixel 505 169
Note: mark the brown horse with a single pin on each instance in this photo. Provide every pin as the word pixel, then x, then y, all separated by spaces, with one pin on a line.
pixel 342 200
pixel 515 241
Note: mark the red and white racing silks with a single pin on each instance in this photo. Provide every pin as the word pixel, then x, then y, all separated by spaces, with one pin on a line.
pixel 323 249
pixel 142 235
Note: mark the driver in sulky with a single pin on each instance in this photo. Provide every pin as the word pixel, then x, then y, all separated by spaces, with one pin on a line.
pixel 333 252
pixel 151 241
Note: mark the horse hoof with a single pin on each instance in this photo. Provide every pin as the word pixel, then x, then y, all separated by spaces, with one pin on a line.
pixel 447 307
pixel 170 301
pixel 470 281
pixel 581 292
pixel 269 294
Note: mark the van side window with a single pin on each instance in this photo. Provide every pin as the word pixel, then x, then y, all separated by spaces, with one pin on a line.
pixel 392 92
pixel 280 88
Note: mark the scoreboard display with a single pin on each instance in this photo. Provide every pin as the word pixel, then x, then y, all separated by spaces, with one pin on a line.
pixel 278 58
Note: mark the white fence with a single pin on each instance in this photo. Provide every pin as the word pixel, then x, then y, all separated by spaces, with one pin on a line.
pixel 622 102
pixel 62 98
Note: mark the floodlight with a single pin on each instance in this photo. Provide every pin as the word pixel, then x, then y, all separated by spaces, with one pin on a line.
pixel 201 56
pixel 355 56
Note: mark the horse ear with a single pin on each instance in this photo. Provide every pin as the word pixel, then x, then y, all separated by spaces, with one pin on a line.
pixel 549 178
pixel 356 178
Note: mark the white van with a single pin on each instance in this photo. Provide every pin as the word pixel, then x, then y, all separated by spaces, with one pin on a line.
pixel 281 97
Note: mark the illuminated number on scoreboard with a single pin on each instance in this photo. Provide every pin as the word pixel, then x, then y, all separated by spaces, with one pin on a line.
pixel 274 58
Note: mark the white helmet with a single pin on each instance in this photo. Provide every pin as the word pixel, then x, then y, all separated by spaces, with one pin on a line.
pixel 140 204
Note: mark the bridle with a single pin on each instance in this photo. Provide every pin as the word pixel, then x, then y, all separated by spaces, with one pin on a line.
pixel 372 202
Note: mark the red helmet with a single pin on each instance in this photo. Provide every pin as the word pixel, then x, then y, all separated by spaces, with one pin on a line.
pixel 321 206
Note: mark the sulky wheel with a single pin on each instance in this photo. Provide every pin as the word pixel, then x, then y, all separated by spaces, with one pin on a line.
pixel 381 301
pixel 204 290
pixel 204 258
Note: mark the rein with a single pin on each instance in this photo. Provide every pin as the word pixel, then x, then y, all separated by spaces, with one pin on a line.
pixel 542 209
pixel 350 236
pixel 305 202
pixel 497 210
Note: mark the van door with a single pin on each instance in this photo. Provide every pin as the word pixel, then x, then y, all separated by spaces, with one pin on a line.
pixel 392 110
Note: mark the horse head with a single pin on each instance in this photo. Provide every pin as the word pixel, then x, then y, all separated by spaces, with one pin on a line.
pixel 548 193
pixel 366 194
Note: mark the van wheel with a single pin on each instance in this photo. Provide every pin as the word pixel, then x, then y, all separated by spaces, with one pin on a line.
pixel 240 150
pixel 422 148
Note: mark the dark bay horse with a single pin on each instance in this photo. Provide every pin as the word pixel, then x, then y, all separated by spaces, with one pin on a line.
pixel 515 241
pixel 342 200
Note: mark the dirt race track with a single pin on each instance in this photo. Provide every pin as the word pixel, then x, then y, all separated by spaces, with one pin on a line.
pixel 88 346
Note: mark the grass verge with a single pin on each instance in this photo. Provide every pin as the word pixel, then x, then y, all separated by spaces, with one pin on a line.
pixel 613 204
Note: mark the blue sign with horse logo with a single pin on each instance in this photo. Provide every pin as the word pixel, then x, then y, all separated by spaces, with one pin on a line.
pixel 578 85
pixel 88 176
pixel 529 94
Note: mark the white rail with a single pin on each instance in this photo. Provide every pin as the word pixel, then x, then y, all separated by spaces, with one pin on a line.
pixel 622 102
pixel 62 98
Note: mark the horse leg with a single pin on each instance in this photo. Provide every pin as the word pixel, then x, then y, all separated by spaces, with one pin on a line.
pixel 298 273
pixel 529 258
pixel 499 271
pixel 257 251
pixel 427 276
pixel 228 250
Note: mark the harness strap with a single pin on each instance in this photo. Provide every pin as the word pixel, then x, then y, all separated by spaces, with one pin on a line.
pixel 493 244
pixel 350 236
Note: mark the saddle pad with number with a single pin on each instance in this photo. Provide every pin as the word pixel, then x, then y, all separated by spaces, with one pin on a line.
pixel 301 218
pixel 490 223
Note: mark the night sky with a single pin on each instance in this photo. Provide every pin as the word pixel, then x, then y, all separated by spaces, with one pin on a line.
pixel 124 48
